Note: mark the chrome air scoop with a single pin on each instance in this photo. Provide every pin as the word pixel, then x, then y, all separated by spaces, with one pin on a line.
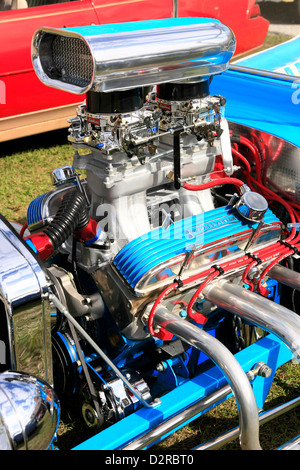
pixel 130 55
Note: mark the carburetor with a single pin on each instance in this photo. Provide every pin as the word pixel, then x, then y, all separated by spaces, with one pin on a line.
pixel 117 125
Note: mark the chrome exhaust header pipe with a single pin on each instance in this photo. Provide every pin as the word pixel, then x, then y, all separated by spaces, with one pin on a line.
pixel 285 276
pixel 258 310
pixel 224 359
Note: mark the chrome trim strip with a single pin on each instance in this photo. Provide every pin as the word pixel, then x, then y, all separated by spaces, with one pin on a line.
pixel 263 73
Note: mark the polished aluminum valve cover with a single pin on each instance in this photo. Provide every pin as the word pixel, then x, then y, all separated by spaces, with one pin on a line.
pixel 154 259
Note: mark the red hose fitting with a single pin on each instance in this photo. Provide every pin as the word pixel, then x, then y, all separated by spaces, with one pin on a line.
pixel 88 233
pixel 40 244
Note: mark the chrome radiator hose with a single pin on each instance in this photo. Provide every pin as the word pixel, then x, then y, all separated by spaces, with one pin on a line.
pixel 258 310
pixel 224 359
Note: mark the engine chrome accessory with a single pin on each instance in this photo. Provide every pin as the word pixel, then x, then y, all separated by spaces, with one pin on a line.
pixel 173 423
pixel 257 310
pixel 166 248
pixel 249 425
pixel 113 56
pixel 63 175
pixel 251 205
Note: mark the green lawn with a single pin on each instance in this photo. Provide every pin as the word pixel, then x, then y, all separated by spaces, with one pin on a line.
pixel 25 167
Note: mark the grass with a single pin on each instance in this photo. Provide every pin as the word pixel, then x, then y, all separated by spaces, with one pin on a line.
pixel 275 39
pixel 25 166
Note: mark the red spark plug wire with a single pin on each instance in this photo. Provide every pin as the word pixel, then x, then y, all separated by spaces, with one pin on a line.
pixel 157 303
pixel 243 260
pixel 198 317
pixel 287 252
pixel 255 155
pixel 265 254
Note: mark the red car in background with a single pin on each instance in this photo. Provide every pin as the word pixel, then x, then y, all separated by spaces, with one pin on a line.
pixel 28 107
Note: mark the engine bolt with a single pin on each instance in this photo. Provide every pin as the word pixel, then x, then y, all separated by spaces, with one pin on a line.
pixel 160 367
pixel 261 369
pixel 264 371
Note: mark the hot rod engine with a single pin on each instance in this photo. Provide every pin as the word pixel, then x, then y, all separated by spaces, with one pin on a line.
pixel 135 277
